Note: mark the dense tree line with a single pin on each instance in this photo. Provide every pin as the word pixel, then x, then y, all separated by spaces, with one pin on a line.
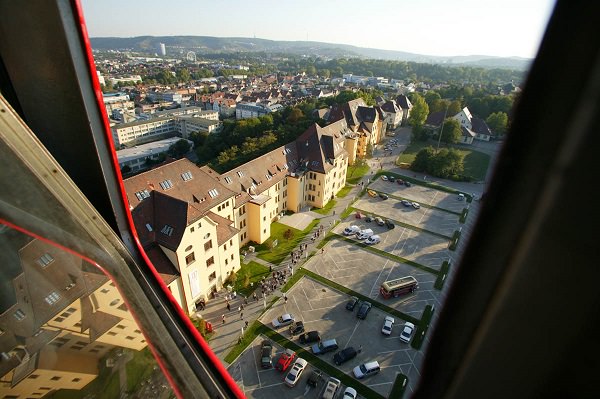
pixel 446 163
pixel 406 70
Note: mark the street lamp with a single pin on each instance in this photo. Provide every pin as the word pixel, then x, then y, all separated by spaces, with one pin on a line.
pixel 442 128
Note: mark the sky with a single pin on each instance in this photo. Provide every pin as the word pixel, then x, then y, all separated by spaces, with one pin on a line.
pixel 431 27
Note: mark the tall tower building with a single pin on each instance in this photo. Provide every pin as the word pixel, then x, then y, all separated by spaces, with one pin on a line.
pixel 162 49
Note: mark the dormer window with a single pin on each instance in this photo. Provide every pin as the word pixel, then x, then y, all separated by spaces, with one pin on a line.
pixel 166 184
pixel 45 260
pixel 240 173
pixel 186 176
pixel 213 193
pixel 167 230
pixel 228 180
pixel 141 195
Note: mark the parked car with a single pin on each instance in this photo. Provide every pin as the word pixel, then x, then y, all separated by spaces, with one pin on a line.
pixel 461 197
pixel 363 310
pixel 285 360
pixel 373 240
pixel 333 384
pixel 416 205
pixel 351 304
pixel 349 393
pixel 297 328
pixel 379 221
pixel 309 337
pixel 369 219
pixel 405 202
pixel 348 231
pixel 366 369
pixel 266 354
pixel 383 196
pixel 388 324
pixel 384 177
pixel 315 377
pixel 390 225
pixel 283 320
pixel 391 179
pixel 293 376
pixel 407 332
pixel 364 234
pixel 372 193
pixel 358 215
pixel 407 184
pixel 344 355
pixel 400 181
pixel 325 346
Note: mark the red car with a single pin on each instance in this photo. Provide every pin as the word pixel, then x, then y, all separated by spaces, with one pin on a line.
pixel 358 215
pixel 285 360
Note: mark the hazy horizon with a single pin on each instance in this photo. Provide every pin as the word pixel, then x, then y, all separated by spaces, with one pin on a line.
pixel 509 28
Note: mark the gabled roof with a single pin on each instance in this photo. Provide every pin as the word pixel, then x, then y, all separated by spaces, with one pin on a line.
pixel 467 132
pixel 403 102
pixel 390 106
pixel 181 180
pixel 480 127
pixel 318 146
pixel 435 118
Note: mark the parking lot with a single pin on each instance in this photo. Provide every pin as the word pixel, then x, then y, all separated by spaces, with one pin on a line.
pixel 323 309
pixel 426 249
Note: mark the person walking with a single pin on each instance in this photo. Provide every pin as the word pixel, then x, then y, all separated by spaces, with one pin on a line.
pixel 285 298
pixel 228 307
pixel 223 318
pixel 242 316
pixel 246 323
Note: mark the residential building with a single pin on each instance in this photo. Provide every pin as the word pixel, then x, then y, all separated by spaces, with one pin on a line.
pixel 251 110
pixel 406 106
pixel 60 315
pixel 393 114
pixel 185 220
pixel 476 127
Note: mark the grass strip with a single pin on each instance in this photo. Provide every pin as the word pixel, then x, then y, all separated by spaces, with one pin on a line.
pixel 356 172
pixel 347 212
pixel 388 255
pixel 320 363
pixel 408 226
pixel 360 296
pixel 330 236
pixel 399 386
pixel 454 243
pixel 326 209
pixel 441 279
pixel 422 327
pixel 255 272
pixel 344 191
pixel 463 216
pixel 277 254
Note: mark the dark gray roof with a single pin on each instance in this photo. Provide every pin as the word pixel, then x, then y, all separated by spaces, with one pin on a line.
pixel 480 127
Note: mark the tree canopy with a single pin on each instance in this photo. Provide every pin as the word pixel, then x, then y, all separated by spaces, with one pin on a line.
pixel 419 112
pixel 497 122
pixel 451 132
pixel 446 163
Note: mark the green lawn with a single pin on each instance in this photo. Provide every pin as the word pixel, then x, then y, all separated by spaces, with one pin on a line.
pixel 284 247
pixel 344 191
pixel 476 163
pixel 326 209
pixel 255 271
pixel 139 368
pixel 356 172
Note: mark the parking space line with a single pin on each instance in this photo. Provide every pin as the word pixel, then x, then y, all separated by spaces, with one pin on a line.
pixel 353 331
pixel 266 386
pixel 256 368
pixel 383 383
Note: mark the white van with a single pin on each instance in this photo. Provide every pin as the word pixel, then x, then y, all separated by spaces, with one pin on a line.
pixel 362 235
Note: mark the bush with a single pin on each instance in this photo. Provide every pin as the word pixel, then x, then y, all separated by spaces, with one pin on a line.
pixel 288 234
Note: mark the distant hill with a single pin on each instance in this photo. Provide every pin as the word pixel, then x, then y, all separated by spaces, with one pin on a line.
pixel 211 45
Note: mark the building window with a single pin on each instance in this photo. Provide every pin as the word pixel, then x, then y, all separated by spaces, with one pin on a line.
pixel 167 230
pixel 19 315
pixel 59 319
pixel 33 376
pixel 104 291
pixel 190 259
pixel 232 254
pixel 76 380
pixel 130 338
pixel 45 260
pixel 210 261
pixel 230 242
pixel 212 276
pixel 213 193
pixel 141 195
pixel 166 184
pixel 226 262
pixel 225 247
pixel 192 229
pixel 112 333
pixel 120 326
pixel 55 378
pixel 186 176
pixel 208 245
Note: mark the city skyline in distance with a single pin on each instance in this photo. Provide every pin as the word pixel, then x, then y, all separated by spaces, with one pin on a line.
pixel 434 27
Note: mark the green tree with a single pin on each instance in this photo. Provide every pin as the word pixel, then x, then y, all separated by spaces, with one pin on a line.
pixel 419 112
pixel 179 149
pixel 183 75
pixel 497 122
pixel 423 160
pixel 430 97
pixel 451 133
pixel 454 108
pixel 295 115
pixel 324 73
pixel 288 234
pixel 419 133
pixel 440 105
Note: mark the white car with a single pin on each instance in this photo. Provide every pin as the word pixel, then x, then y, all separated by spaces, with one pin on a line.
pixel 348 231
pixel 333 384
pixel 349 393
pixel 283 320
pixel 366 369
pixel 384 177
pixel 292 377
pixel 416 205
pixel 407 332
pixel 373 240
pixel 388 323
